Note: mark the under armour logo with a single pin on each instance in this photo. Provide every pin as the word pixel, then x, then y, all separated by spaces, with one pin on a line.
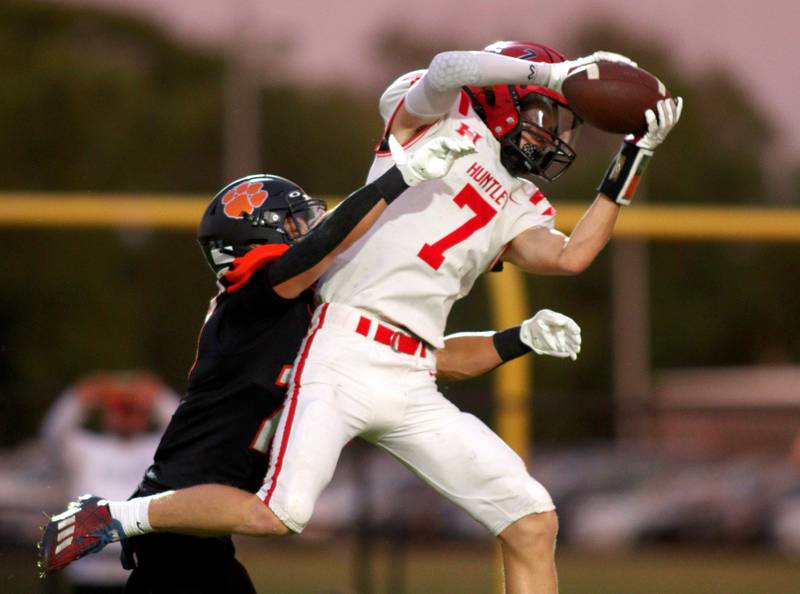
pixel 467 132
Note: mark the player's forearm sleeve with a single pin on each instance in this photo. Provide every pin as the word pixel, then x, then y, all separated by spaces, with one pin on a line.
pixel 312 248
pixel 437 90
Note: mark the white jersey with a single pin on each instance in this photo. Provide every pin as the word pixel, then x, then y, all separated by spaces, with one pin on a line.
pixel 428 247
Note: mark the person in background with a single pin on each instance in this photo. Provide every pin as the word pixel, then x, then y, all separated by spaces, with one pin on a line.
pixel 103 431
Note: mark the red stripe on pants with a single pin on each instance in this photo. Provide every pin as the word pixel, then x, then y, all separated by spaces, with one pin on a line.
pixel 287 429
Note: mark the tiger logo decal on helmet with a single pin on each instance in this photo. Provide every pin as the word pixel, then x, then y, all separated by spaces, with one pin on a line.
pixel 244 199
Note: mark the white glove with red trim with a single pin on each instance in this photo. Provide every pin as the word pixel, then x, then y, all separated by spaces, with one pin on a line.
pixel 551 333
pixel 432 160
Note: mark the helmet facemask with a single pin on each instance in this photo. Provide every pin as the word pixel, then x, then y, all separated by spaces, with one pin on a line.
pixel 540 144
pixel 301 215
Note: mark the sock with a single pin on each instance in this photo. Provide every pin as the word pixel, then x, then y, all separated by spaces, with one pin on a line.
pixel 133 514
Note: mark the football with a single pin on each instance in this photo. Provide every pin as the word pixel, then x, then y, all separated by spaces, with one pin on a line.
pixel 613 97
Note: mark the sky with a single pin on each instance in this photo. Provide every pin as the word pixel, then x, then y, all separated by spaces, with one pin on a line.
pixel 332 40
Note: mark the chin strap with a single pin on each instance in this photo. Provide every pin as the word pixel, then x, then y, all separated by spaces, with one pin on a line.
pixel 246 266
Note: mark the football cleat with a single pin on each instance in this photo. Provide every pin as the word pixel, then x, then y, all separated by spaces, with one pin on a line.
pixel 85 527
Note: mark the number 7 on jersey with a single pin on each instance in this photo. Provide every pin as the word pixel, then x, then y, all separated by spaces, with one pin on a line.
pixel 433 254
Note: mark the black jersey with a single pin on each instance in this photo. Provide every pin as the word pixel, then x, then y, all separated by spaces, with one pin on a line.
pixel 219 433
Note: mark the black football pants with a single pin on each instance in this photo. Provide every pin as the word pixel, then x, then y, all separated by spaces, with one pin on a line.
pixel 176 564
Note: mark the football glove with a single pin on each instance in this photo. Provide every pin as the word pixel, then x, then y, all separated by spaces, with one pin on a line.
pixel 622 177
pixel 430 161
pixel 551 333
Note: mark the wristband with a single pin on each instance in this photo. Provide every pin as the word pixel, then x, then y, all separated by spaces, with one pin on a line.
pixel 624 173
pixel 508 344
pixel 390 185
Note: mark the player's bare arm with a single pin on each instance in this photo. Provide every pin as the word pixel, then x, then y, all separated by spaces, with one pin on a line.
pixel 545 251
pixel 436 91
pixel 548 251
pixel 470 354
pixel 466 356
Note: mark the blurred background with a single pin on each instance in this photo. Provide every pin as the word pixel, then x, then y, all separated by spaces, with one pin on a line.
pixel 671 447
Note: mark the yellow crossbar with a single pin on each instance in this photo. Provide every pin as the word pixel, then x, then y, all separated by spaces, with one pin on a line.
pixel 170 211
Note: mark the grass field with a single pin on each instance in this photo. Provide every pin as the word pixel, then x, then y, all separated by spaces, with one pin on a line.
pixel 441 570
pixel 329 569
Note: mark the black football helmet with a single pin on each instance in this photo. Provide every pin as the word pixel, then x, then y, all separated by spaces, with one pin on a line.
pixel 253 211
pixel 534 125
